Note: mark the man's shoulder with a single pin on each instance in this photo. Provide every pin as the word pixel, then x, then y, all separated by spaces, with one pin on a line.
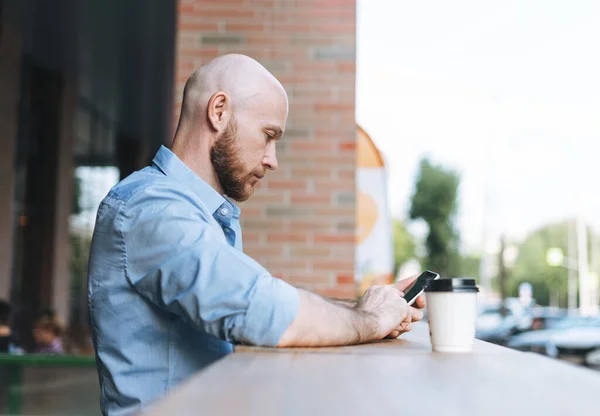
pixel 139 181
pixel 150 190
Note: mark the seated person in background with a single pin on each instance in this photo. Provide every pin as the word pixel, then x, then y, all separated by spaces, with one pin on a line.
pixel 6 338
pixel 47 331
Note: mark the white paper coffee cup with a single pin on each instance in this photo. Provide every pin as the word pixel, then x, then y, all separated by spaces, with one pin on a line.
pixel 451 312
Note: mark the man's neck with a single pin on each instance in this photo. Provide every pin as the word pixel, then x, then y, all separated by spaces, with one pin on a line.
pixel 195 153
pixel 4 331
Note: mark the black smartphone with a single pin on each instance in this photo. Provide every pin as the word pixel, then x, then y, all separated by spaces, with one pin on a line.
pixel 413 291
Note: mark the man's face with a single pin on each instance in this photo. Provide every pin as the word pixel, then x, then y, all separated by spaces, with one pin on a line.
pixel 246 150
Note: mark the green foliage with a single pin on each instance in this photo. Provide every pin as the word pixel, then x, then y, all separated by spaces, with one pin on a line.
pixel 434 201
pixel 531 265
pixel 404 245
pixel 469 266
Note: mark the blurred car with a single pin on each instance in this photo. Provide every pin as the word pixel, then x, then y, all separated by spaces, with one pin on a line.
pixel 497 323
pixel 572 338
pixel 579 345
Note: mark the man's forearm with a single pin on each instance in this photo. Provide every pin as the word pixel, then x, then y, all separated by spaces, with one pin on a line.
pixel 350 303
pixel 320 322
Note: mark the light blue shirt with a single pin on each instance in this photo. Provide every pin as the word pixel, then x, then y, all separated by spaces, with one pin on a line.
pixel 169 287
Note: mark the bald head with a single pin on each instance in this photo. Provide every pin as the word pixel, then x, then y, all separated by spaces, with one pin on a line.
pixel 233 112
pixel 246 82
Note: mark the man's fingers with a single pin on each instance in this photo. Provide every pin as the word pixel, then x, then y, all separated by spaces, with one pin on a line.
pixel 420 302
pixel 404 327
pixel 404 283
pixel 417 314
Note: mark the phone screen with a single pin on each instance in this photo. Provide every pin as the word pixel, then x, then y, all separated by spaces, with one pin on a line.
pixel 418 286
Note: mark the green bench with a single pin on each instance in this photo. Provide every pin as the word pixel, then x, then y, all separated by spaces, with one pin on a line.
pixel 13 365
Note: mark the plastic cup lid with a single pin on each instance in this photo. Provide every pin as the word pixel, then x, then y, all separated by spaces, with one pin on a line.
pixel 452 285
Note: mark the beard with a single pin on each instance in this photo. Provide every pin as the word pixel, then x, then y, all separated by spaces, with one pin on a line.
pixel 228 165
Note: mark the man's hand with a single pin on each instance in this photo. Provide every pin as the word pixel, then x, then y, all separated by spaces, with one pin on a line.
pixel 385 310
pixel 404 284
pixel 381 312
pixel 416 314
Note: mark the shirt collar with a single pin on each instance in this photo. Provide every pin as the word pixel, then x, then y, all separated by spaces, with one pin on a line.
pixel 172 166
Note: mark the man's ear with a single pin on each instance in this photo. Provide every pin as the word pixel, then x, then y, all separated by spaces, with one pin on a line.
pixel 219 110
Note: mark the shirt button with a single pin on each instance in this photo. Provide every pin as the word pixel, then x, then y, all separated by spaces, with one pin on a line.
pixel 224 211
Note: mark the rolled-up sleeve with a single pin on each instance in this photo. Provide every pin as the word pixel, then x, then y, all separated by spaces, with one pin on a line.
pixel 178 260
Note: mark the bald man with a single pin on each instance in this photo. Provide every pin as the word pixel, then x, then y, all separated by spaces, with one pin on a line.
pixel 170 289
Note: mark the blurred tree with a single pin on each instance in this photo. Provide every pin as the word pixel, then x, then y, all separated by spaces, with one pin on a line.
pixel 531 265
pixel 469 266
pixel 404 245
pixel 434 201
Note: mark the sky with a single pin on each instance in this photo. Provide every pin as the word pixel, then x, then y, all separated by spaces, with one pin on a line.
pixel 505 93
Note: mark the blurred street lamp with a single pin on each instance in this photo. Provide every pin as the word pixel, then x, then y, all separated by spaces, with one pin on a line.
pixel 555 256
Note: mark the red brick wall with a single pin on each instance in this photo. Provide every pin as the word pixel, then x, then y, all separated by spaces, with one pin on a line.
pixel 301 223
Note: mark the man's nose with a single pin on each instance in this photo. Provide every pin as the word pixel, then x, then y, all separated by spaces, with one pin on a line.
pixel 270 159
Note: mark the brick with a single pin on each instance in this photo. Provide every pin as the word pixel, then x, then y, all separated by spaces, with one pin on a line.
pixel 338 159
pixel 331 4
pixel 337 28
pixel 334 185
pixel 222 39
pixel 345 279
pixel 287 211
pixel 311 172
pixel 263 251
pixel 310 199
pixel 273 237
pixel 311 279
pixel 287 185
pixel 250 236
pixel 260 39
pixel 291 27
pixel 264 197
pixel 312 224
pixel 313 146
pixel 253 211
pixel 300 222
pixel 334 238
pixel 276 66
pixel 255 224
pixel 223 12
pixel 245 27
pixel 333 107
pixel 311 252
pixel 334 264
pixel 336 53
pixel 346 174
pixel 347 146
pixel 297 132
pixel 197 27
pixel 346 198
pixel 327 14
pixel 336 212
pixel 345 226
pixel 287 264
